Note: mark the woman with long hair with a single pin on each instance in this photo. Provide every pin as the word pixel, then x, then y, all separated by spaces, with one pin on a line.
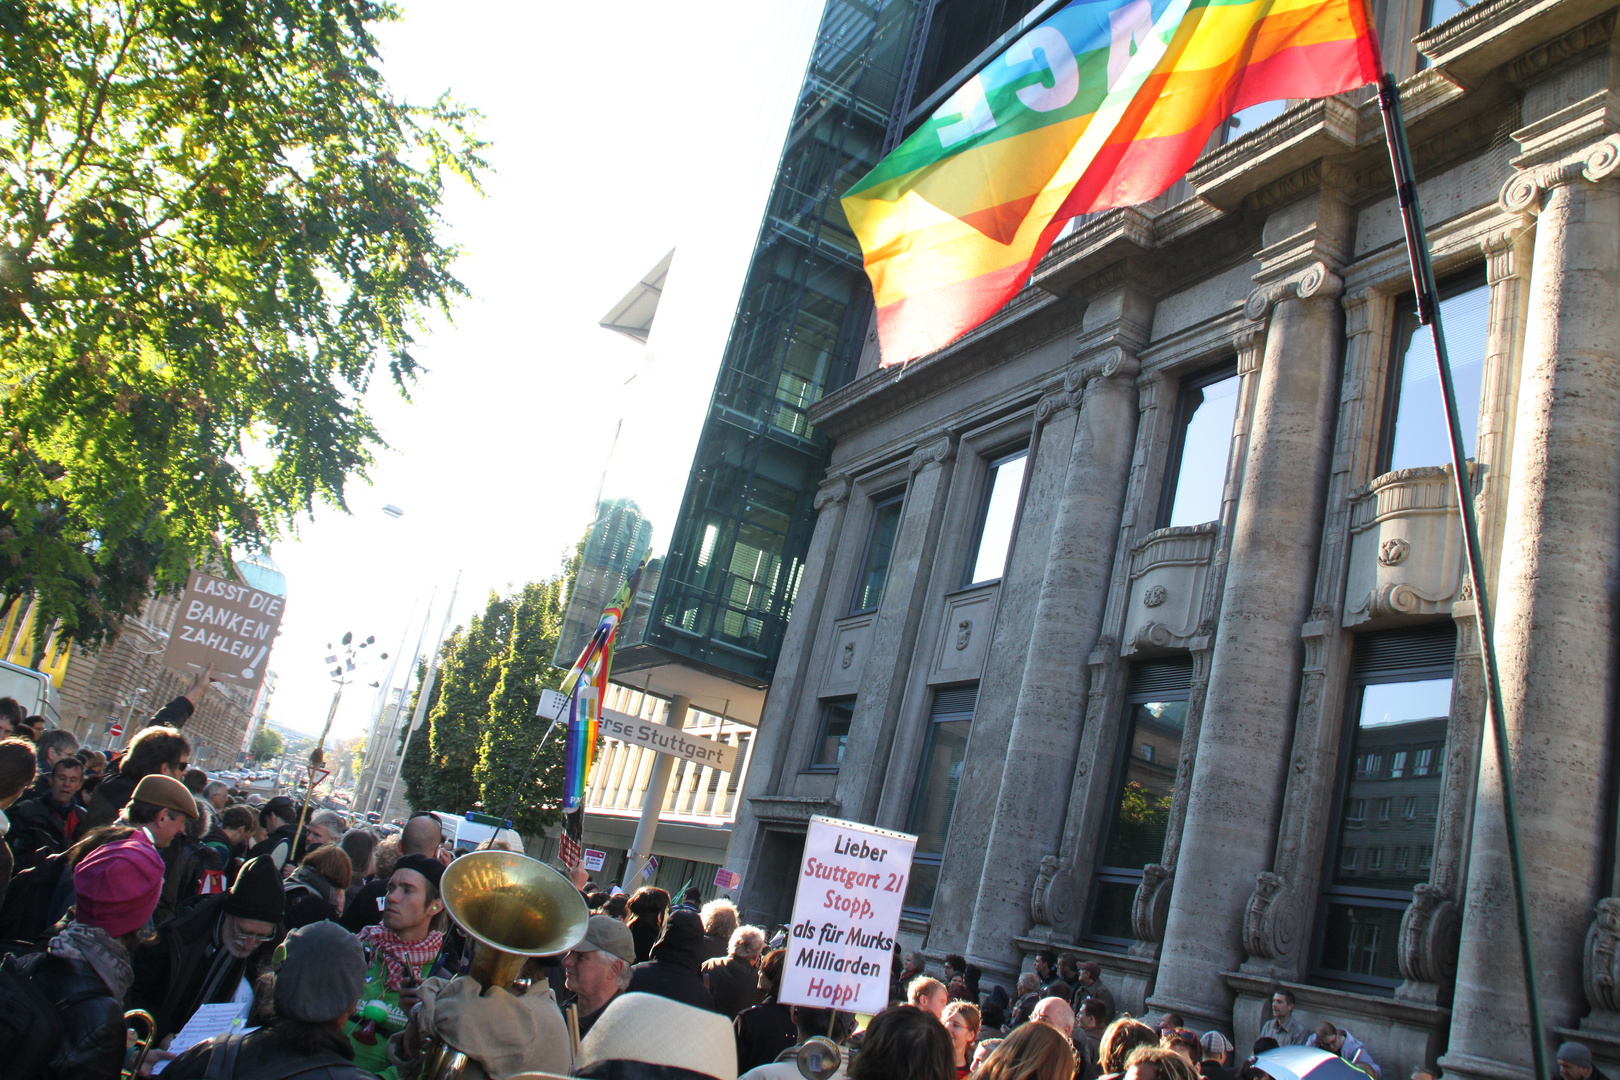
pixel 1033 1051
pixel 648 906
pixel 1158 1063
pixel 962 1025
pixel 1123 1036
pixel 904 1043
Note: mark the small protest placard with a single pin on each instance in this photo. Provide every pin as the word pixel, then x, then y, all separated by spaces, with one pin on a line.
pixel 727 879
pixel 595 860
pixel 228 624
pixel 846 913
pixel 650 868
pixel 569 851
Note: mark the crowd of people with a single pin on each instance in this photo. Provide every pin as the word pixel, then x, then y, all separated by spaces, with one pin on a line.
pixel 141 884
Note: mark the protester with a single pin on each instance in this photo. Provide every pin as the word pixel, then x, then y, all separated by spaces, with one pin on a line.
pixel 1089 984
pixel 85 969
pixel 44 826
pixel 1216 1051
pixel 1158 1063
pixel 1035 1051
pixel 1029 995
pixel 405 948
pixel 811 1023
pixel 279 820
pixel 217 794
pixel 962 1025
pixel 719 921
pixel 1046 971
pixel 1170 1021
pixel 691 900
pixel 618 907
pixel 361 847
pixel 907 967
pixel 95 764
pixel 983 1051
pixel 49 748
pixel 194 868
pixel 652 1037
pixel 421 836
pixel 767 1029
pixel 229 833
pixel 1335 1040
pixel 315 892
pixel 675 969
pixel 1575 1063
pixel 323 827
pixel 315 990
pixel 1284 1026
pixel 1185 1043
pixel 12 715
pixel 597 970
pixel 211 952
pixel 734 981
pixel 648 908
pixel 927 994
pixel 905 1043
pixel 16 771
pixel 41 896
pixel 1089 1024
pixel 1124 1036
pixel 156 751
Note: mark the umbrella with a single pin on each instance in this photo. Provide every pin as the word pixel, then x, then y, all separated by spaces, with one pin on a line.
pixel 1306 1063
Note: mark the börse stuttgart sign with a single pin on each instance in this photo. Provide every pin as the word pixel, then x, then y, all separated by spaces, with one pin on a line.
pixel 228 624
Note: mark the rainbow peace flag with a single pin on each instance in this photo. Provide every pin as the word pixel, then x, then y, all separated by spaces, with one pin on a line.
pixel 1105 104
pixel 586 687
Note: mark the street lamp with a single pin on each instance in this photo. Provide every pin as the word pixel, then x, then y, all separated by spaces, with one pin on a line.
pixel 343 671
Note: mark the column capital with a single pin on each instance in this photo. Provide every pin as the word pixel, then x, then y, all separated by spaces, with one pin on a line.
pixel 940 448
pixel 1250 343
pixel 1054 402
pixel 834 489
pixel 1109 361
pixel 1527 189
pixel 1310 282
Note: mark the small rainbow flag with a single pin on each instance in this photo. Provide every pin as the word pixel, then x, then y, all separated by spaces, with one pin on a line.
pixel 586 687
pixel 1105 104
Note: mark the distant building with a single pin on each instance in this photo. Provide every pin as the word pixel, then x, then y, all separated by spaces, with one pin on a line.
pixel 614 545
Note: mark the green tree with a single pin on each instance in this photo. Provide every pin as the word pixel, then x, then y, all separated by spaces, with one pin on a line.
pixel 513 731
pixel 468 678
pixel 216 221
pixel 267 745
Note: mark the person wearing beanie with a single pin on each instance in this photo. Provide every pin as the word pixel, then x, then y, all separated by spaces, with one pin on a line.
pixel 279 819
pixel 86 968
pixel 316 985
pixel 405 949
pixel 1575 1063
pixel 211 952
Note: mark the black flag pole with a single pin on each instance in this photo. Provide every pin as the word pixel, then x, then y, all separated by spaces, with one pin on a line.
pixel 1428 308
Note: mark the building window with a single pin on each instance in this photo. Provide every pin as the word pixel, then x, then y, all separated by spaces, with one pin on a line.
pixel 879 550
pixel 1399 699
pixel 1425 762
pixel 1155 713
pixel 998 513
pixel 834 733
pixel 949 720
pixel 1414 426
pixel 1201 443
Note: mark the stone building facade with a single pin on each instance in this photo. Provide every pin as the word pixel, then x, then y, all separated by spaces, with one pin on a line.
pixel 1143 604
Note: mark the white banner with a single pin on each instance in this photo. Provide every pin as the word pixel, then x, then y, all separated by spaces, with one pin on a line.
pixel 845 916
pixel 667 740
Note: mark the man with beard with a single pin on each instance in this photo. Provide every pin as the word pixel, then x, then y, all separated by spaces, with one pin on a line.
pixel 210 953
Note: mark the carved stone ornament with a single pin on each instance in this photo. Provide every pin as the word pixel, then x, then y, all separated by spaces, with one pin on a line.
pixel 1524 191
pixel 849 654
pixel 834 489
pixel 1052 404
pixel 1313 281
pixel 941 450
pixel 1155 595
pixel 1431 930
pixel 1405 555
pixel 964 633
pixel 1271 923
pixel 1150 909
pixel 1602 957
pixel 1102 363
pixel 1394 551
pixel 1052 901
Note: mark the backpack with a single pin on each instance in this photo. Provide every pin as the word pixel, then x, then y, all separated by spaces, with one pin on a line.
pixel 222 1063
pixel 31 1025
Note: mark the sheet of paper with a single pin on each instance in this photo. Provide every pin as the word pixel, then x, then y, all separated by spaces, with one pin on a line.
pixel 205 1023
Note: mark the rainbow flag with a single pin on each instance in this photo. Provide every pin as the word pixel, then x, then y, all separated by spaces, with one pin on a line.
pixel 1105 104
pixel 586 687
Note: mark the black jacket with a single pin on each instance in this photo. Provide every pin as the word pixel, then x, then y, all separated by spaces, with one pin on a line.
pixel 363 911
pixel 763 1032
pixel 675 970
pixel 734 985
pixel 112 794
pixel 170 971
pixel 38 829
pixel 268 845
pixel 263 1050
pixel 93 1044
pixel 184 860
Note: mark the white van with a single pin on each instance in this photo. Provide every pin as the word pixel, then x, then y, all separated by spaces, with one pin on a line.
pixel 33 691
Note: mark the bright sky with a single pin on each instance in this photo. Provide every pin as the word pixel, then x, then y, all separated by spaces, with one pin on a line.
pixel 618 134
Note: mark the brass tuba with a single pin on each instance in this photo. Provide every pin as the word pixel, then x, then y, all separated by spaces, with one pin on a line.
pixel 513 907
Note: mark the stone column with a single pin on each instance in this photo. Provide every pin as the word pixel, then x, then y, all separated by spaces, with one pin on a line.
pixel 1555 623
pixel 768 757
pixel 1243 746
pixel 1051 703
pixel 871 731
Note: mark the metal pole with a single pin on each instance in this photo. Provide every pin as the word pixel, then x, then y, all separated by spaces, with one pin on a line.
pixel 422 697
pixel 657 789
pixel 1417 249
pixel 373 751
pixel 319 753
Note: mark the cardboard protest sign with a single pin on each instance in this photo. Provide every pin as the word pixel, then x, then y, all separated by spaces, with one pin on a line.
pixel 227 624
pixel 846 912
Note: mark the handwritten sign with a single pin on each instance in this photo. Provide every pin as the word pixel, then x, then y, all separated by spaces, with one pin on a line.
pixel 225 623
pixel 846 913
